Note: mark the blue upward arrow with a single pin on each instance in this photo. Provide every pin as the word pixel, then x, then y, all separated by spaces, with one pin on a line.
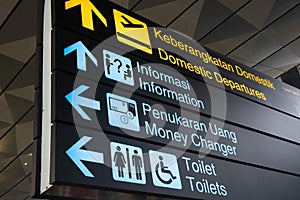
pixel 76 101
pixel 78 155
pixel 81 52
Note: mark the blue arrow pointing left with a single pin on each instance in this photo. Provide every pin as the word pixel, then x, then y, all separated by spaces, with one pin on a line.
pixel 81 52
pixel 76 101
pixel 78 155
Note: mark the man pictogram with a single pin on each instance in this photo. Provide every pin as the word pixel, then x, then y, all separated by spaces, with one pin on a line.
pixel 138 164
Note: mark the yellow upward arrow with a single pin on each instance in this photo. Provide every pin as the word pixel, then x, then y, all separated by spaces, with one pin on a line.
pixel 87 9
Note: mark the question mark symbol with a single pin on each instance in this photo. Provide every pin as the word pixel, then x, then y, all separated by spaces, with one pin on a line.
pixel 120 64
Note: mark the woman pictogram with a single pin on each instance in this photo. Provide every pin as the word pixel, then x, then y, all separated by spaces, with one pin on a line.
pixel 120 161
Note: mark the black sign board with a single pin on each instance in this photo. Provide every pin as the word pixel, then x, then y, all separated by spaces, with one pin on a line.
pixel 169 46
pixel 169 125
pixel 139 108
pixel 184 175
pixel 196 95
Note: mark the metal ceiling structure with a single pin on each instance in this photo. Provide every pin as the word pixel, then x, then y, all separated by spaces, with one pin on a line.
pixel 262 34
pixel 17 60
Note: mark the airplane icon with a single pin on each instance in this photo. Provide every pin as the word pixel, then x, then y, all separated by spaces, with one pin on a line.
pixel 132 32
pixel 129 23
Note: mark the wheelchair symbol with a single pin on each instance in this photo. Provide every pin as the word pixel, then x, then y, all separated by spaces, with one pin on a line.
pixel 165 170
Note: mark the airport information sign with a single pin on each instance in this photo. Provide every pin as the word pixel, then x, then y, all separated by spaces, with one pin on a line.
pixel 139 108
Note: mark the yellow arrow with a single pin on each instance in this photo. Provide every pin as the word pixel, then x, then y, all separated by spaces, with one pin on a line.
pixel 87 9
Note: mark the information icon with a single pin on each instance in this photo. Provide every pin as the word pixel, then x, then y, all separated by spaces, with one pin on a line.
pixel 122 112
pixel 118 68
pixel 164 170
pixel 127 163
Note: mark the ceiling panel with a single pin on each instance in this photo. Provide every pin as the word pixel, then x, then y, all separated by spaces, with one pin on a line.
pixel 270 40
pixel 155 10
pixel 8 3
pixel 260 13
pixel 235 31
pixel 20 50
pixel 22 191
pixel 17 39
pixel 146 4
pixel 286 28
pixel 233 4
pixel 6 7
pixel 16 141
pixel 204 16
pixel 247 22
pixel 211 17
pixel 190 19
pixel 19 169
pixel 17 99
pixel 284 59
pixel 124 4
pixel 129 4
pixel 22 23
pixel 256 49
pixel 269 71
pixel 8 67
pixel 225 45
